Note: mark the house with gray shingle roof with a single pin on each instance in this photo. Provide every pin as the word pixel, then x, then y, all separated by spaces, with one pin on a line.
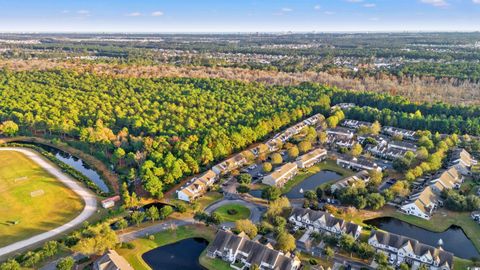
pixel 403 249
pixel 320 221
pixel 242 253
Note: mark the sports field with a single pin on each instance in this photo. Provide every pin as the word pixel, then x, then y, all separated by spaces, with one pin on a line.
pixel 31 200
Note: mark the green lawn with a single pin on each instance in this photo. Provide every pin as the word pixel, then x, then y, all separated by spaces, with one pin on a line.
pixel 213 264
pixel 328 164
pixel 142 245
pixel 242 212
pixel 33 198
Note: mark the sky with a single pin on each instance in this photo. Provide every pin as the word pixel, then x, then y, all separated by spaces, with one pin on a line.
pixel 191 16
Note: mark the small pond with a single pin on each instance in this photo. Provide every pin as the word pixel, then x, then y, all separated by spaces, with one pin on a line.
pixel 180 255
pixel 454 239
pixel 76 163
pixel 256 193
pixel 312 182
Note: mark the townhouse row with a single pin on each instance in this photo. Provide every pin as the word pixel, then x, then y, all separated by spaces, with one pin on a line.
pixel 199 185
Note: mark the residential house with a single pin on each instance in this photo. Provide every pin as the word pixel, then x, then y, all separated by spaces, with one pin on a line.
pixel 402 145
pixel 355 124
pixel 111 260
pixel 384 150
pixel 447 179
pixel 197 186
pixel 403 249
pixel 405 133
pixel 462 160
pixel 242 253
pixel 357 163
pixel 362 176
pixel 320 221
pixel 422 204
pixel 311 158
pixel 343 106
pixel 281 175
pixel 230 164
pixel 340 131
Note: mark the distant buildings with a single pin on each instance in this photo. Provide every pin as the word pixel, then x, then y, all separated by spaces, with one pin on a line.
pixel 111 261
pixel 197 186
pixel 320 221
pixel 404 133
pixel 391 150
pixel 281 175
pixel 357 163
pixel 242 253
pixel 403 249
pixel 311 158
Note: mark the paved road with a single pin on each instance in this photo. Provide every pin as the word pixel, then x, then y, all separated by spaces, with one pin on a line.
pixel 89 199
pixel 256 211
pixel 130 236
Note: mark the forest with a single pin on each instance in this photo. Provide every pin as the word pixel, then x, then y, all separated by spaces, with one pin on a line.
pixel 159 129
pixel 163 129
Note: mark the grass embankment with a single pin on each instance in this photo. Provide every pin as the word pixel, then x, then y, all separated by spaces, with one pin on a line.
pixel 213 264
pixel 237 211
pixel 92 161
pixel 328 164
pixel 32 197
pixel 142 245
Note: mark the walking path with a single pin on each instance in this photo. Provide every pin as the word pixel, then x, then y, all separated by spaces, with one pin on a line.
pixel 89 199
pixel 130 236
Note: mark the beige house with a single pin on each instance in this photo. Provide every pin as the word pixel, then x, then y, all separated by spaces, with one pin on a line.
pixel 197 186
pixel 111 261
pixel 281 175
pixel 311 158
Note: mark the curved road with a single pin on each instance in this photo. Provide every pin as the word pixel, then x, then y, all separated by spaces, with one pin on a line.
pixel 89 200
pixel 256 211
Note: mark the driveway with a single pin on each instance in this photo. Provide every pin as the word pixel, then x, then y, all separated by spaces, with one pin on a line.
pixel 256 211
pixel 88 198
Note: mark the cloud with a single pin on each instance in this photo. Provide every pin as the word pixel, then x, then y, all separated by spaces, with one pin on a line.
pixel 369 5
pixel 83 12
pixel 286 9
pixel 329 13
pixel 65 11
pixel 436 3
pixel 317 7
pixel 283 11
pixel 134 14
pixel 355 1
pixel 374 19
pixel 476 1
pixel 157 13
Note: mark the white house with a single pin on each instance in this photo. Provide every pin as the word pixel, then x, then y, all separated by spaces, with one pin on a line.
pixel 320 221
pixel 197 186
pixel 422 204
pixel 403 249
pixel 242 253
pixel 281 175
pixel 357 163
pixel 311 158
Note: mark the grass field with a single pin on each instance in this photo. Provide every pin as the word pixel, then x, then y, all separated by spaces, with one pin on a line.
pixel 31 200
pixel 242 212
pixel 142 245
